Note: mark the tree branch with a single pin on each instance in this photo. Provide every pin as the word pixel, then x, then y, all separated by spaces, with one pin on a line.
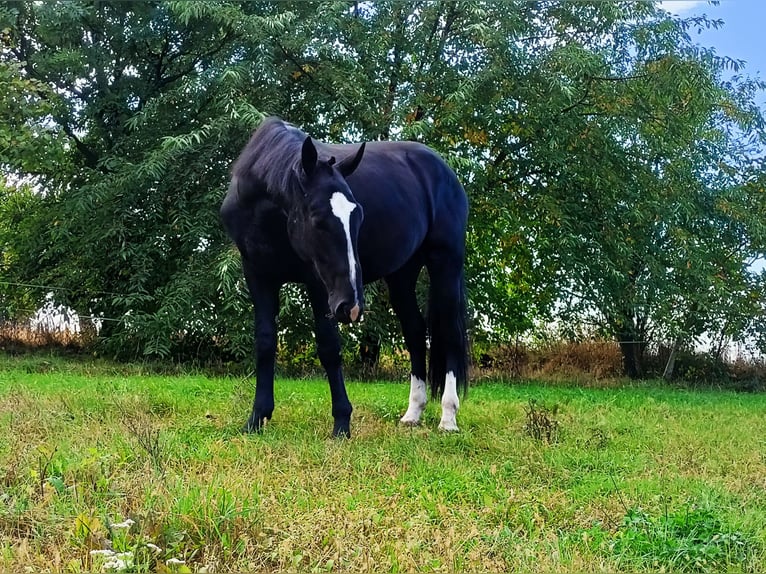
pixel 91 157
pixel 302 70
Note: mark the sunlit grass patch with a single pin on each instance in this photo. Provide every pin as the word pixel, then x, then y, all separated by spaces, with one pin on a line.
pixel 686 539
pixel 84 449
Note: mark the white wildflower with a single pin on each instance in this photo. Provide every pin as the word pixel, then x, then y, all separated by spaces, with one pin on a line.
pixel 127 524
pixel 153 547
pixel 116 561
pixel 101 553
pixel 174 562
pixel 114 564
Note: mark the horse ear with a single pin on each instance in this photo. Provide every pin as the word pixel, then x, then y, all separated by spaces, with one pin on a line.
pixel 308 156
pixel 348 164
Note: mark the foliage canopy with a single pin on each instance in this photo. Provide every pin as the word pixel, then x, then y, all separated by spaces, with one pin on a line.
pixel 615 169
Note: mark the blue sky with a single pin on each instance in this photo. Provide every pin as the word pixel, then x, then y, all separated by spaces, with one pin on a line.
pixel 743 35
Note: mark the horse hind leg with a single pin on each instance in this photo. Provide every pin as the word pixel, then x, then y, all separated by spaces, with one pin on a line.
pixel 447 327
pixel 401 290
pixel 417 402
pixel 450 404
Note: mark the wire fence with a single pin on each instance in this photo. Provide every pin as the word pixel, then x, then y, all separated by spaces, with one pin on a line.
pixel 59 309
pixel 56 288
pixel 53 317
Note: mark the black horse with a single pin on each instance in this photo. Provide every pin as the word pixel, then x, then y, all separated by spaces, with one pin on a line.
pixel 385 209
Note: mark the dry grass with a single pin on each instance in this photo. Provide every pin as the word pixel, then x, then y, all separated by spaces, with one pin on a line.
pixel 581 362
pixel 82 449
pixel 20 336
pixel 597 359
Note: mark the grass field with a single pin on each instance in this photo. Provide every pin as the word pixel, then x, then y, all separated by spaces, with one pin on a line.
pixel 541 478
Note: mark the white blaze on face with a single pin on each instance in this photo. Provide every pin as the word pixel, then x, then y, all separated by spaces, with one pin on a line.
pixel 450 404
pixel 418 399
pixel 342 208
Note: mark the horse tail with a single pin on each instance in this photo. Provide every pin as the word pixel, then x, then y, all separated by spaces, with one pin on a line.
pixel 448 337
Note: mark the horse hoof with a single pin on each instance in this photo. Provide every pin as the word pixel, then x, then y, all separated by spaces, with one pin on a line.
pixel 255 426
pixel 448 427
pixel 341 430
pixel 407 422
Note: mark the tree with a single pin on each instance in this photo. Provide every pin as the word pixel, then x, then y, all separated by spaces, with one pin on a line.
pixel 127 226
pixel 613 173
pixel 608 177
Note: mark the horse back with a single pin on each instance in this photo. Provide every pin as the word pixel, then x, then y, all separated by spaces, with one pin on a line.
pixel 410 198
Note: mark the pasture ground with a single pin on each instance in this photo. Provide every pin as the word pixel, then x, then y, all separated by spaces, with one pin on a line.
pixel 631 478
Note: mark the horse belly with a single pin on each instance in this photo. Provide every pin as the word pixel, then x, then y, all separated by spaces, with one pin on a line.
pixel 388 245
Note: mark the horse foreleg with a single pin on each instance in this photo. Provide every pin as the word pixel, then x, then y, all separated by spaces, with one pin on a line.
pixel 266 302
pixel 329 351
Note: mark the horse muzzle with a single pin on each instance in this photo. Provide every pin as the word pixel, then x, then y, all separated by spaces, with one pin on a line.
pixel 348 312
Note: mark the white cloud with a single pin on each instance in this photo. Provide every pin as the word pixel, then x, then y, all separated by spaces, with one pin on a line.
pixel 681 7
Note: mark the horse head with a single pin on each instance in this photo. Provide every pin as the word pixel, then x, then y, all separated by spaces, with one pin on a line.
pixel 324 224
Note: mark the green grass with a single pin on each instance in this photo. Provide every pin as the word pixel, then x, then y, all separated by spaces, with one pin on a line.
pixel 635 478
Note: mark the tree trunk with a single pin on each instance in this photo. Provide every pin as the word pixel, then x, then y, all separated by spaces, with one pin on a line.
pixel 630 329
pixel 671 364
pixel 369 350
pixel 632 349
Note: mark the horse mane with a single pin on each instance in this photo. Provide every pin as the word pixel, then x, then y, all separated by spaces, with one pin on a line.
pixel 270 159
